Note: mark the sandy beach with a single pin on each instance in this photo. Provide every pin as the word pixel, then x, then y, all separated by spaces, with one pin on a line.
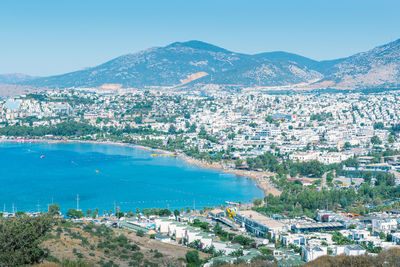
pixel 261 178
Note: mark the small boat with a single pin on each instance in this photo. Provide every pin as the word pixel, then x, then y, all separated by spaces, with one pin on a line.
pixel 97 171
pixel 42 156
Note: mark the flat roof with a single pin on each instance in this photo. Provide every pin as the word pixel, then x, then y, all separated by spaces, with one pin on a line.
pixel 216 211
pixel 355 247
pixel 261 219
pixel 318 225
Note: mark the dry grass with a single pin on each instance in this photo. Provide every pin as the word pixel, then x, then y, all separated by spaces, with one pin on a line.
pixel 47 264
pixel 69 245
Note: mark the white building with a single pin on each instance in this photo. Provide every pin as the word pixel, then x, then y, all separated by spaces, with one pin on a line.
pixel 303 156
pixel 384 225
pixel 312 253
pixel 354 250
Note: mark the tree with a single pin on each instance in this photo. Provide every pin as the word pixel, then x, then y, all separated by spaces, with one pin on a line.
pixel 329 177
pixel 389 237
pixel 95 213
pixel 88 212
pixel 375 140
pixel 146 212
pixel 269 119
pixel 75 214
pixel 237 253
pixel 217 228
pixel 164 212
pixel 339 239
pixel 172 129
pixel 130 214
pixel 138 212
pixel 202 131
pixel 138 119
pixel 382 235
pixel 238 163
pixel 119 214
pixel 21 237
pixel 257 202
pixel 312 168
pixel 192 258
pixel 140 233
pixel 242 240
pixel 176 213
pixel 379 125
pixel 54 210
pixel 367 176
pixel 347 145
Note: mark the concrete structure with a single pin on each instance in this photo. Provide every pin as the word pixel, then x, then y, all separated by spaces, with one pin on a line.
pixel 311 253
pixel 384 225
pixel 295 239
pixel 354 250
pixel 257 223
pixel 313 227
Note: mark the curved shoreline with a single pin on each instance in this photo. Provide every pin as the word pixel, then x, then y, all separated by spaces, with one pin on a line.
pixel 261 178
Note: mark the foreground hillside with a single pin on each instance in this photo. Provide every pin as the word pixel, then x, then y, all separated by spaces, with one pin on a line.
pixel 48 241
pixel 388 258
pixel 96 245
pixel 29 240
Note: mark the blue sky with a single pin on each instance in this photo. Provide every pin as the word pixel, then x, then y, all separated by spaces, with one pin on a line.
pixel 40 37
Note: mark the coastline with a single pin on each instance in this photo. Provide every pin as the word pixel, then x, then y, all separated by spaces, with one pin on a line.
pixel 261 178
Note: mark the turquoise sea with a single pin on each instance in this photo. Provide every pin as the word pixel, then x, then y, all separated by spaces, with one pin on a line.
pixel 33 175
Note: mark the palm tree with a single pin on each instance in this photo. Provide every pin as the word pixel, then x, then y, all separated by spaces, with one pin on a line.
pixel 88 212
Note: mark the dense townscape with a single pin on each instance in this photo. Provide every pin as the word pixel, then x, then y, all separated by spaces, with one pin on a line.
pixel 216 125
pixel 200 133
pixel 329 164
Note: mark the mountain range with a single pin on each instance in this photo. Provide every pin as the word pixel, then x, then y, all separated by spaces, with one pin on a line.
pixel 193 62
pixel 12 78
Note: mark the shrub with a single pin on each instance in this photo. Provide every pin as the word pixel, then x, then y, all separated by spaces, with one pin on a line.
pixel 140 233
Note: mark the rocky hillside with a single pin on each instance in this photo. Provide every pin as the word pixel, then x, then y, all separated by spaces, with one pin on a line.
pixel 177 63
pixel 198 62
pixel 378 67
pixel 13 78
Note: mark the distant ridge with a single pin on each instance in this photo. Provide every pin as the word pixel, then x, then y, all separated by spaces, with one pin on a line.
pixel 199 45
pixel 182 61
pixel 12 78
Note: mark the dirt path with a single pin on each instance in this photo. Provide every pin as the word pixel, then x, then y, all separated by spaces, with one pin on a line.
pixel 323 180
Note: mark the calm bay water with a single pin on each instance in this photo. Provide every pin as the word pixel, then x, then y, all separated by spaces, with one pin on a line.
pixel 102 174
